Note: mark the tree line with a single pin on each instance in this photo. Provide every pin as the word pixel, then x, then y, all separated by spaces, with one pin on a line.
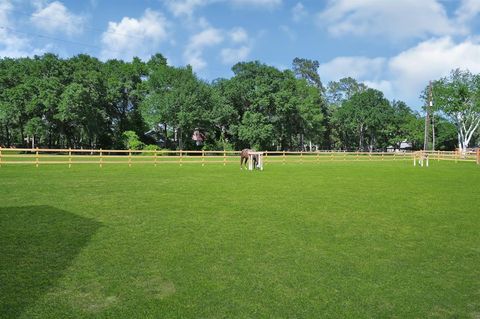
pixel 82 102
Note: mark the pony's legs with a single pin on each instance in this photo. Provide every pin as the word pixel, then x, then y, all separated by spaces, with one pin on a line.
pixel 243 161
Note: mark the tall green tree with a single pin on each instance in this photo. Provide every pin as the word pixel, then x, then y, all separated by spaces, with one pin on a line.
pixel 124 93
pixel 365 116
pixel 342 90
pixel 289 105
pixel 83 102
pixel 178 100
pixel 458 98
pixel 401 125
pixel 308 69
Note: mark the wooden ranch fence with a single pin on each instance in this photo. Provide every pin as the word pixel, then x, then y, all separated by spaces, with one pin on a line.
pixel 101 157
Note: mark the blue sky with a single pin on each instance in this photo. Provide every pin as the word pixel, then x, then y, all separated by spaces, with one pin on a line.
pixel 392 45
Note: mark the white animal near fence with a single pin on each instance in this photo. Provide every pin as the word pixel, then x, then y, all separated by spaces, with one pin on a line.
pixel 258 162
pixel 422 159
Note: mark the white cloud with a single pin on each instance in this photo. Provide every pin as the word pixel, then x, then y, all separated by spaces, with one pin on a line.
pixel 237 38
pixel 299 12
pixel 241 47
pixel 205 38
pixel 406 74
pixel 357 67
pixel 257 3
pixel 292 35
pixel 234 55
pixel 39 4
pixel 467 10
pixel 135 37
pixel 238 35
pixel 197 43
pixel 10 43
pixel 185 7
pixel 412 69
pixel 55 17
pixel 382 85
pixel 394 19
pixel 13 44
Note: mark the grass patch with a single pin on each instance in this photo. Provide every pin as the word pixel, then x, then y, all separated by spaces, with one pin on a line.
pixel 37 245
pixel 355 240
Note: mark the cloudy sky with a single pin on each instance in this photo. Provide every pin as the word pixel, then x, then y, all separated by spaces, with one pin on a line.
pixel 395 46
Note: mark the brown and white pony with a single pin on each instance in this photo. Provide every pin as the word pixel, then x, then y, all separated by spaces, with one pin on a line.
pixel 244 158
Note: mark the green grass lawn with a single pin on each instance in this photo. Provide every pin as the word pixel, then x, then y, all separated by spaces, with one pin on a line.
pixel 328 240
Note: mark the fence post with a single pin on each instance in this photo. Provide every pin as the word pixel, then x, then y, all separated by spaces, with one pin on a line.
pixel 357 155
pixel 129 158
pixel 69 157
pixel 301 157
pixel 101 159
pixel 331 155
pixel 414 159
pixel 36 157
pixel 456 156
pixel 224 158
pixel 344 155
pixel 203 157
pixel 0 156
pixel 284 157
pixel 181 158
pixel 382 156
pixel 394 156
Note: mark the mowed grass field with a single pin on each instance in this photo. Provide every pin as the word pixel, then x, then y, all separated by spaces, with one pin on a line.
pixel 328 240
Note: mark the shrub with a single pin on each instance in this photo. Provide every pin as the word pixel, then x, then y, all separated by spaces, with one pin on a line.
pixel 150 147
pixel 132 141
pixel 220 145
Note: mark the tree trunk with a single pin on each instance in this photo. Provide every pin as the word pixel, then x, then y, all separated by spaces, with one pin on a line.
pixel 7 131
pixel 22 135
pixel 360 142
pixel 465 130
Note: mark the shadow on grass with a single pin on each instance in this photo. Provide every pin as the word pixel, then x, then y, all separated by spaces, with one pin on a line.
pixel 37 244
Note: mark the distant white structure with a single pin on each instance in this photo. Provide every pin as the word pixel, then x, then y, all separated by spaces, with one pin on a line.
pixel 404 146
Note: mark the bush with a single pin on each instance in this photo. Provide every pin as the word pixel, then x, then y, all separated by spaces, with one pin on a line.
pixel 220 145
pixel 132 141
pixel 150 147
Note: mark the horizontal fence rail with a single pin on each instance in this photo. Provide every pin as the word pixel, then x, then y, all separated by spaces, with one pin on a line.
pixel 101 157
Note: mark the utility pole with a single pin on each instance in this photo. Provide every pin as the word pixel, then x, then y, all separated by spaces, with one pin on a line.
pixel 433 131
pixel 427 118
pixel 430 103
